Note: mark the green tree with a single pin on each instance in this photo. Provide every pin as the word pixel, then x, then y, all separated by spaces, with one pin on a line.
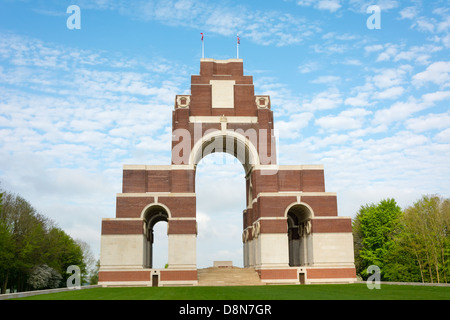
pixel 25 227
pixel 426 233
pixel 63 251
pixel 373 229
pixel 400 260
pixel 7 250
pixel 34 253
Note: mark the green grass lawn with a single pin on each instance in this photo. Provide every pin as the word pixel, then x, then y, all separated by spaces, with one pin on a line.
pixel 291 292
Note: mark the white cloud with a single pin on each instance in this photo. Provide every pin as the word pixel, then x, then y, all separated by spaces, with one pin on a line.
pixel 386 78
pixel 350 119
pixel 437 72
pixel 308 67
pixel 420 54
pixel 444 26
pixel 360 100
pixel 329 99
pixel 429 122
pixel 278 29
pixel 291 129
pixel 398 111
pixel 397 52
pixel 443 136
pixel 203 220
pixel 330 5
pixel 373 48
pixel 362 5
pixel 425 24
pixel 446 40
pixel 431 98
pixel 326 79
pixel 439 23
pixel 330 48
pixel 390 93
pixel 402 110
pixel 408 13
pixel 338 123
pixel 386 55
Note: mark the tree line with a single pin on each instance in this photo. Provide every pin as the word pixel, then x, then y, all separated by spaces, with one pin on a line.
pixel 410 245
pixel 34 252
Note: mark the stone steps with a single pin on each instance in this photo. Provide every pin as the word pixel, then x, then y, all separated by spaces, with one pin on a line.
pixel 229 276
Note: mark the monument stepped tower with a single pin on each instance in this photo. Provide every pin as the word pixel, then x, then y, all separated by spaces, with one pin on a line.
pixel 291 229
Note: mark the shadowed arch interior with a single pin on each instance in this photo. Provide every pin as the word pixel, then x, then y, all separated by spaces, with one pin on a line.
pixel 152 216
pixel 299 227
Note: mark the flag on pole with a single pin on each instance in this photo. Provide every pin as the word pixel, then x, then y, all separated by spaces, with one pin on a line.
pixel 203 46
pixel 237 46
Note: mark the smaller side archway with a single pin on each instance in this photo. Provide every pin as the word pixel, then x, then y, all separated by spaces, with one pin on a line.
pixel 151 215
pixel 299 217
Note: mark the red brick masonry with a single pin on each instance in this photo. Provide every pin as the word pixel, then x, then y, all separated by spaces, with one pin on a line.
pixel 331 273
pixel 166 275
pixel 278 274
pixel 179 275
pixel 331 225
pixel 312 273
pixel 122 227
pixel 107 276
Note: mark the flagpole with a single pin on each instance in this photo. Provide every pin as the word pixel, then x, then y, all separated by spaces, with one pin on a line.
pixel 203 47
pixel 237 47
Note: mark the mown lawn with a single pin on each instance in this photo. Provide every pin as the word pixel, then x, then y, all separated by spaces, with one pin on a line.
pixel 306 292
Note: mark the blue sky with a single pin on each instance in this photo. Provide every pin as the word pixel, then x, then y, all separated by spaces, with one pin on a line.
pixel 372 106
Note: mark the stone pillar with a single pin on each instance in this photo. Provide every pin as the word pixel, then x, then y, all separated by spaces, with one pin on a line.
pixel 182 251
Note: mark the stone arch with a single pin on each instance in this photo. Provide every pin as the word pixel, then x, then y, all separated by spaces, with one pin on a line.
pixel 299 217
pixel 231 142
pixel 299 207
pixel 152 214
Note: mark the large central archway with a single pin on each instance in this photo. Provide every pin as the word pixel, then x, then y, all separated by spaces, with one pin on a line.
pixel 237 148
pixel 220 192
